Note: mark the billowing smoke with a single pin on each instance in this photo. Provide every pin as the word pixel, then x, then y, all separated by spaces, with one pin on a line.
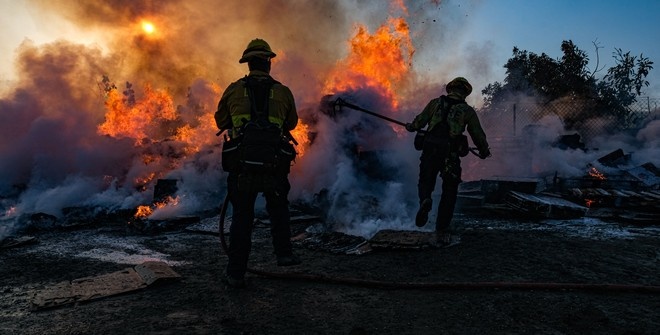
pixel 98 124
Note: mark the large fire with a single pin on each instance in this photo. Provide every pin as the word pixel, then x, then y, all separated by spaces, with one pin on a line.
pixel 301 135
pixel 167 133
pixel 139 120
pixel 379 61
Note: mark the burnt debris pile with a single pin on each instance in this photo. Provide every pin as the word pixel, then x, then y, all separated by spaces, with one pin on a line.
pixel 608 189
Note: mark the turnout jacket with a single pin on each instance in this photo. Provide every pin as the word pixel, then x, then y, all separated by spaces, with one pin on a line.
pixel 459 117
pixel 234 106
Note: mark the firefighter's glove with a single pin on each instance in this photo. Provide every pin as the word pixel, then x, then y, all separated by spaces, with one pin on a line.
pixel 483 154
pixel 410 128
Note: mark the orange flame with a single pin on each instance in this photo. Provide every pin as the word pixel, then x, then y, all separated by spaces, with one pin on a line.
pixel 301 134
pixel 593 172
pixel 151 118
pixel 139 120
pixel 380 61
pixel 169 201
pixel 145 211
pixel 145 179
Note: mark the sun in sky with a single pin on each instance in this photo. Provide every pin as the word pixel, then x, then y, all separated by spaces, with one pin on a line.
pixel 148 27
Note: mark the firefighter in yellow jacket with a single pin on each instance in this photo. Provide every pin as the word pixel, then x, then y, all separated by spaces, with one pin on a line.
pixel 447 117
pixel 257 111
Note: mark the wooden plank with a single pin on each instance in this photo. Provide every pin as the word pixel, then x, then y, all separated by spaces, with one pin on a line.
pixel 402 239
pixel 152 272
pixel 650 195
pixel 302 218
pixel 602 192
pixel 544 206
pixel 88 288
pixel 96 287
pixel 11 242
pixel 619 193
pixel 630 193
pixel 495 189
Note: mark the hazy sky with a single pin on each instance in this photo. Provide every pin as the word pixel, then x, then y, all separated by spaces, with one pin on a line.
pixel 494 25
pixel 541 25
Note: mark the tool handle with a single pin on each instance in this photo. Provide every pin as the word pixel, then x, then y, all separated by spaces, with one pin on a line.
pixel 341 102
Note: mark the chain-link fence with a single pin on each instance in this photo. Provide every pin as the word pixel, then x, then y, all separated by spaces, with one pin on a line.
pixel 513 119
pixel 521 134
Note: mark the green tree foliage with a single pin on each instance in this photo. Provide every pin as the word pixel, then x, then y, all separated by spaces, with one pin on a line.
pixel 548 80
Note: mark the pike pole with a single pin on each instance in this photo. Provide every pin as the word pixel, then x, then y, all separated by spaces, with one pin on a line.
pixel 342 103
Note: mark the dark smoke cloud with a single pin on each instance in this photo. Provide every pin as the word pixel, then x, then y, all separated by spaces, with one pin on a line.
pixel 204 39
pixel 51 153
pixel 49 122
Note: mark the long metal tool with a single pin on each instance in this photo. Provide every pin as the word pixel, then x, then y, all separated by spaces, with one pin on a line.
pixel 341 102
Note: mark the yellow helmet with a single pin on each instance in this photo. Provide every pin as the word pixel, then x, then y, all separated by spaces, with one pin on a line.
pixel 459 85
pixel 257 48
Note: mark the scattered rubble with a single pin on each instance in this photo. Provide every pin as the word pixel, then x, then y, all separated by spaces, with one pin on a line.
pixel 609 189
pixel 403 240
pixel 11 242
pixel 333 242
pixel 544 206
pixel 164 189
pixel 154 226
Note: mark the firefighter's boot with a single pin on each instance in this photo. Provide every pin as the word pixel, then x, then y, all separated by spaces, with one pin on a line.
pixel 423 212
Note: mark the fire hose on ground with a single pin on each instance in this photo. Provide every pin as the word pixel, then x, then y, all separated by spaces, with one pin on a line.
pixel 380 284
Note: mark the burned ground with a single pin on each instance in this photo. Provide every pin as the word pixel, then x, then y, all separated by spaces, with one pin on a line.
pixel 581 251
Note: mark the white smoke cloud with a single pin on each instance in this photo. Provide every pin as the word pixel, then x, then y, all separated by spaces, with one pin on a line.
pixel 365 169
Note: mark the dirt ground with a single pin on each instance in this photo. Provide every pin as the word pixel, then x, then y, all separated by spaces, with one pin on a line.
pixel 491 250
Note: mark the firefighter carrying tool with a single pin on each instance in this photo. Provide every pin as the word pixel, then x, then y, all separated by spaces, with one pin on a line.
pixel 447 117
pixel 421 133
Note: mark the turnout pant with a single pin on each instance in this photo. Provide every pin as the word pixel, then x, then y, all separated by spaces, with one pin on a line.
pixel 243 191
pixel 433 161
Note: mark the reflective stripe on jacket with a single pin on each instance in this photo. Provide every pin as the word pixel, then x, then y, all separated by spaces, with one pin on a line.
pixel 234 106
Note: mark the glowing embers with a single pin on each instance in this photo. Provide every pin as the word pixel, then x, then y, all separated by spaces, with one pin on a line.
pixel 164 196
pixel 142 221
pixel 161 214
pixel 144 211
pixel 594 173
